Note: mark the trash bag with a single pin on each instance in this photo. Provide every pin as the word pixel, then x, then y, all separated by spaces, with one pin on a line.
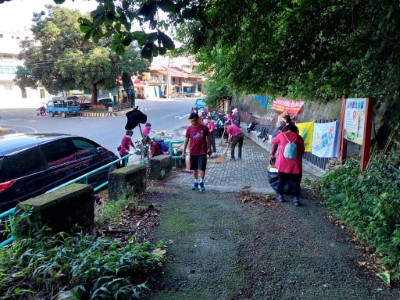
pixel 273 179
pixel 135 117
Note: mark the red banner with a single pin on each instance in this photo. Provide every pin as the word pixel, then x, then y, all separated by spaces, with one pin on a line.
pixel 291 107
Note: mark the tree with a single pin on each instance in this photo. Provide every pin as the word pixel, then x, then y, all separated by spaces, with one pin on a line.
pixel 313 49
pixel 61 59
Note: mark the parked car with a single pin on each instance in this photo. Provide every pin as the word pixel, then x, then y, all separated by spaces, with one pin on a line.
pixel 200 104
pixel 82 101
pixel 107 102
pixel 33 163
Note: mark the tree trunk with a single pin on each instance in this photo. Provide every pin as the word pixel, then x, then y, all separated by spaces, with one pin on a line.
pixel 93 100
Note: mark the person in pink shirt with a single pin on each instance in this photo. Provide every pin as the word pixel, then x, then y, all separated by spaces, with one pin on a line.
pixel 146 130
pixel 200 145
pixel 289 169
pixel 211 127
pixel 235 136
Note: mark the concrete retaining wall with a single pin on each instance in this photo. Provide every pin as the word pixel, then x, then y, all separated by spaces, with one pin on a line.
pixel 60 210
pixel 127 182
pixel 160 166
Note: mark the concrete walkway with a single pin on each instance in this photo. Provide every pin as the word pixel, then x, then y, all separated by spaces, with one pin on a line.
pixel 248 174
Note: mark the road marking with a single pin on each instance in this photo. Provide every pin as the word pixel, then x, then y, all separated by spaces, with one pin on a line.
pixel 181 117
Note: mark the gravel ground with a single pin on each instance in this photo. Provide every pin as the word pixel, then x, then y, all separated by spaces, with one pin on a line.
pixel 247 246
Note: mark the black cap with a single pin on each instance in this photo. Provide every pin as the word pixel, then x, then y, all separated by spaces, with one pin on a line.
pixel 193 116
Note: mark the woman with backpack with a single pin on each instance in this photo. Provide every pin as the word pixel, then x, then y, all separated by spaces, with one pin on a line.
pixel 289 161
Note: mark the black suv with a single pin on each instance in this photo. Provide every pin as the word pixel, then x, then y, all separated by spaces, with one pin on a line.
pixel 33 163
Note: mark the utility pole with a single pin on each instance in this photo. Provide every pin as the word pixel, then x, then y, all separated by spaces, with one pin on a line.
pixel 169 78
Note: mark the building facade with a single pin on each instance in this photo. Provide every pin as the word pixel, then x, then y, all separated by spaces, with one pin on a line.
pixel 11 95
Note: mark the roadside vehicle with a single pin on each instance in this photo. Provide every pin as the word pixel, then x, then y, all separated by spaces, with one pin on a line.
pixel 107 102
pixel 81 100
pixel 63 107
pixel 33 163
pixel 200 104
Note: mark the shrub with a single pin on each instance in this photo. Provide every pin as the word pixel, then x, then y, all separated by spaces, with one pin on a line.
pixel 368 203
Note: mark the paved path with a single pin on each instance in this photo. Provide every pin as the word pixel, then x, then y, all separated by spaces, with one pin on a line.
pixel 248 174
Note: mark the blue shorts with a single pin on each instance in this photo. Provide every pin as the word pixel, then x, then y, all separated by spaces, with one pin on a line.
pixel 198 162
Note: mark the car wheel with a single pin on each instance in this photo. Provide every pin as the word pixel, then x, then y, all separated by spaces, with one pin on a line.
pixel 51 114
pixel 63 114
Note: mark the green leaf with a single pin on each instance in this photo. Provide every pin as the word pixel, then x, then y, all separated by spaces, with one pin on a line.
pixel 385 276
pixel 166 41
pixel 140 37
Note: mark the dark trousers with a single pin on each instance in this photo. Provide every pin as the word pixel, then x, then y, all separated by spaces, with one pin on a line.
pixel 294 183
pixel 239 141
pixel 214 148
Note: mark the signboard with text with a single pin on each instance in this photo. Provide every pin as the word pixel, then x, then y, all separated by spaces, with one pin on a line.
pixel 291 107
pixel 354 119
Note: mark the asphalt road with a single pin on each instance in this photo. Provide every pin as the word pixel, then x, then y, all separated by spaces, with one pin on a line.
pixel 169 115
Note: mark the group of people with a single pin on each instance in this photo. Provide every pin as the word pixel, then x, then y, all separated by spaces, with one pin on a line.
pixel 126 143
pixel 200 137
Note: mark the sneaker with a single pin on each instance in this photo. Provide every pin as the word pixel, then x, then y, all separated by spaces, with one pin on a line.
pixel 195 186
pixel 202 188
pixel 232 158
pixel 280 198
pixel 296 201
pixel 239 158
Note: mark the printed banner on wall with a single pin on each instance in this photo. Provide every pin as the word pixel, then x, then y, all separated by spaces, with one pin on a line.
pixel 325 139
pixel 263 100
pixel 290 106
pixel 354 120
pixel 306 131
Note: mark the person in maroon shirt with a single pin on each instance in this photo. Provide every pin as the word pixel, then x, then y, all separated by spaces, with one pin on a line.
pixel 236 136
pixel 125 145
pixel 200 145
pixel 155 148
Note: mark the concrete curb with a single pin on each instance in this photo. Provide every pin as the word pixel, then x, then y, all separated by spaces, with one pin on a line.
pixel 97 114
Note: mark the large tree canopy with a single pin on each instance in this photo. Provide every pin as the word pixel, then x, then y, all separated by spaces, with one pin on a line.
pixel 313 49
pixel 60 59
pixel 310 49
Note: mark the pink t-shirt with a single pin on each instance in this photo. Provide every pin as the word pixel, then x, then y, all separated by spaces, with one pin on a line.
pixel 197 139
pixel 211 126
pixel 287 165
pixel 234 130
pixel 146 130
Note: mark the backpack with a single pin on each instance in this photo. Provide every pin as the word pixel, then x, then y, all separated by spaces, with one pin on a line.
pixel 164 146
pixel 290 150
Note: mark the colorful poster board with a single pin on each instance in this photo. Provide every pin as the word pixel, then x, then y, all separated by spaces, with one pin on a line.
pixel 306 131
pixel 354 119
pixel 292 107
pixel 325 139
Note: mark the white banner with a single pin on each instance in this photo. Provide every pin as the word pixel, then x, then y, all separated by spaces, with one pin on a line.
pixel 325 139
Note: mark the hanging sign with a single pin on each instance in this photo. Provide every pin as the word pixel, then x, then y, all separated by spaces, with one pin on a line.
pixel 290 106
pixel 354 119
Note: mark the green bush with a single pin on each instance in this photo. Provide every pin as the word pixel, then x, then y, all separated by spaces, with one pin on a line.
pixel 368 203
pixel 78 266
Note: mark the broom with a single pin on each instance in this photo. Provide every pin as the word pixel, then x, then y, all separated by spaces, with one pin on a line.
pixel 221 158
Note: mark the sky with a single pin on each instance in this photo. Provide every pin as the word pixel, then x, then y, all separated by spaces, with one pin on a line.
pixel 16 15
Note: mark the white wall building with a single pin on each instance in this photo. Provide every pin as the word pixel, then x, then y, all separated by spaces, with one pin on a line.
pixel 11 94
